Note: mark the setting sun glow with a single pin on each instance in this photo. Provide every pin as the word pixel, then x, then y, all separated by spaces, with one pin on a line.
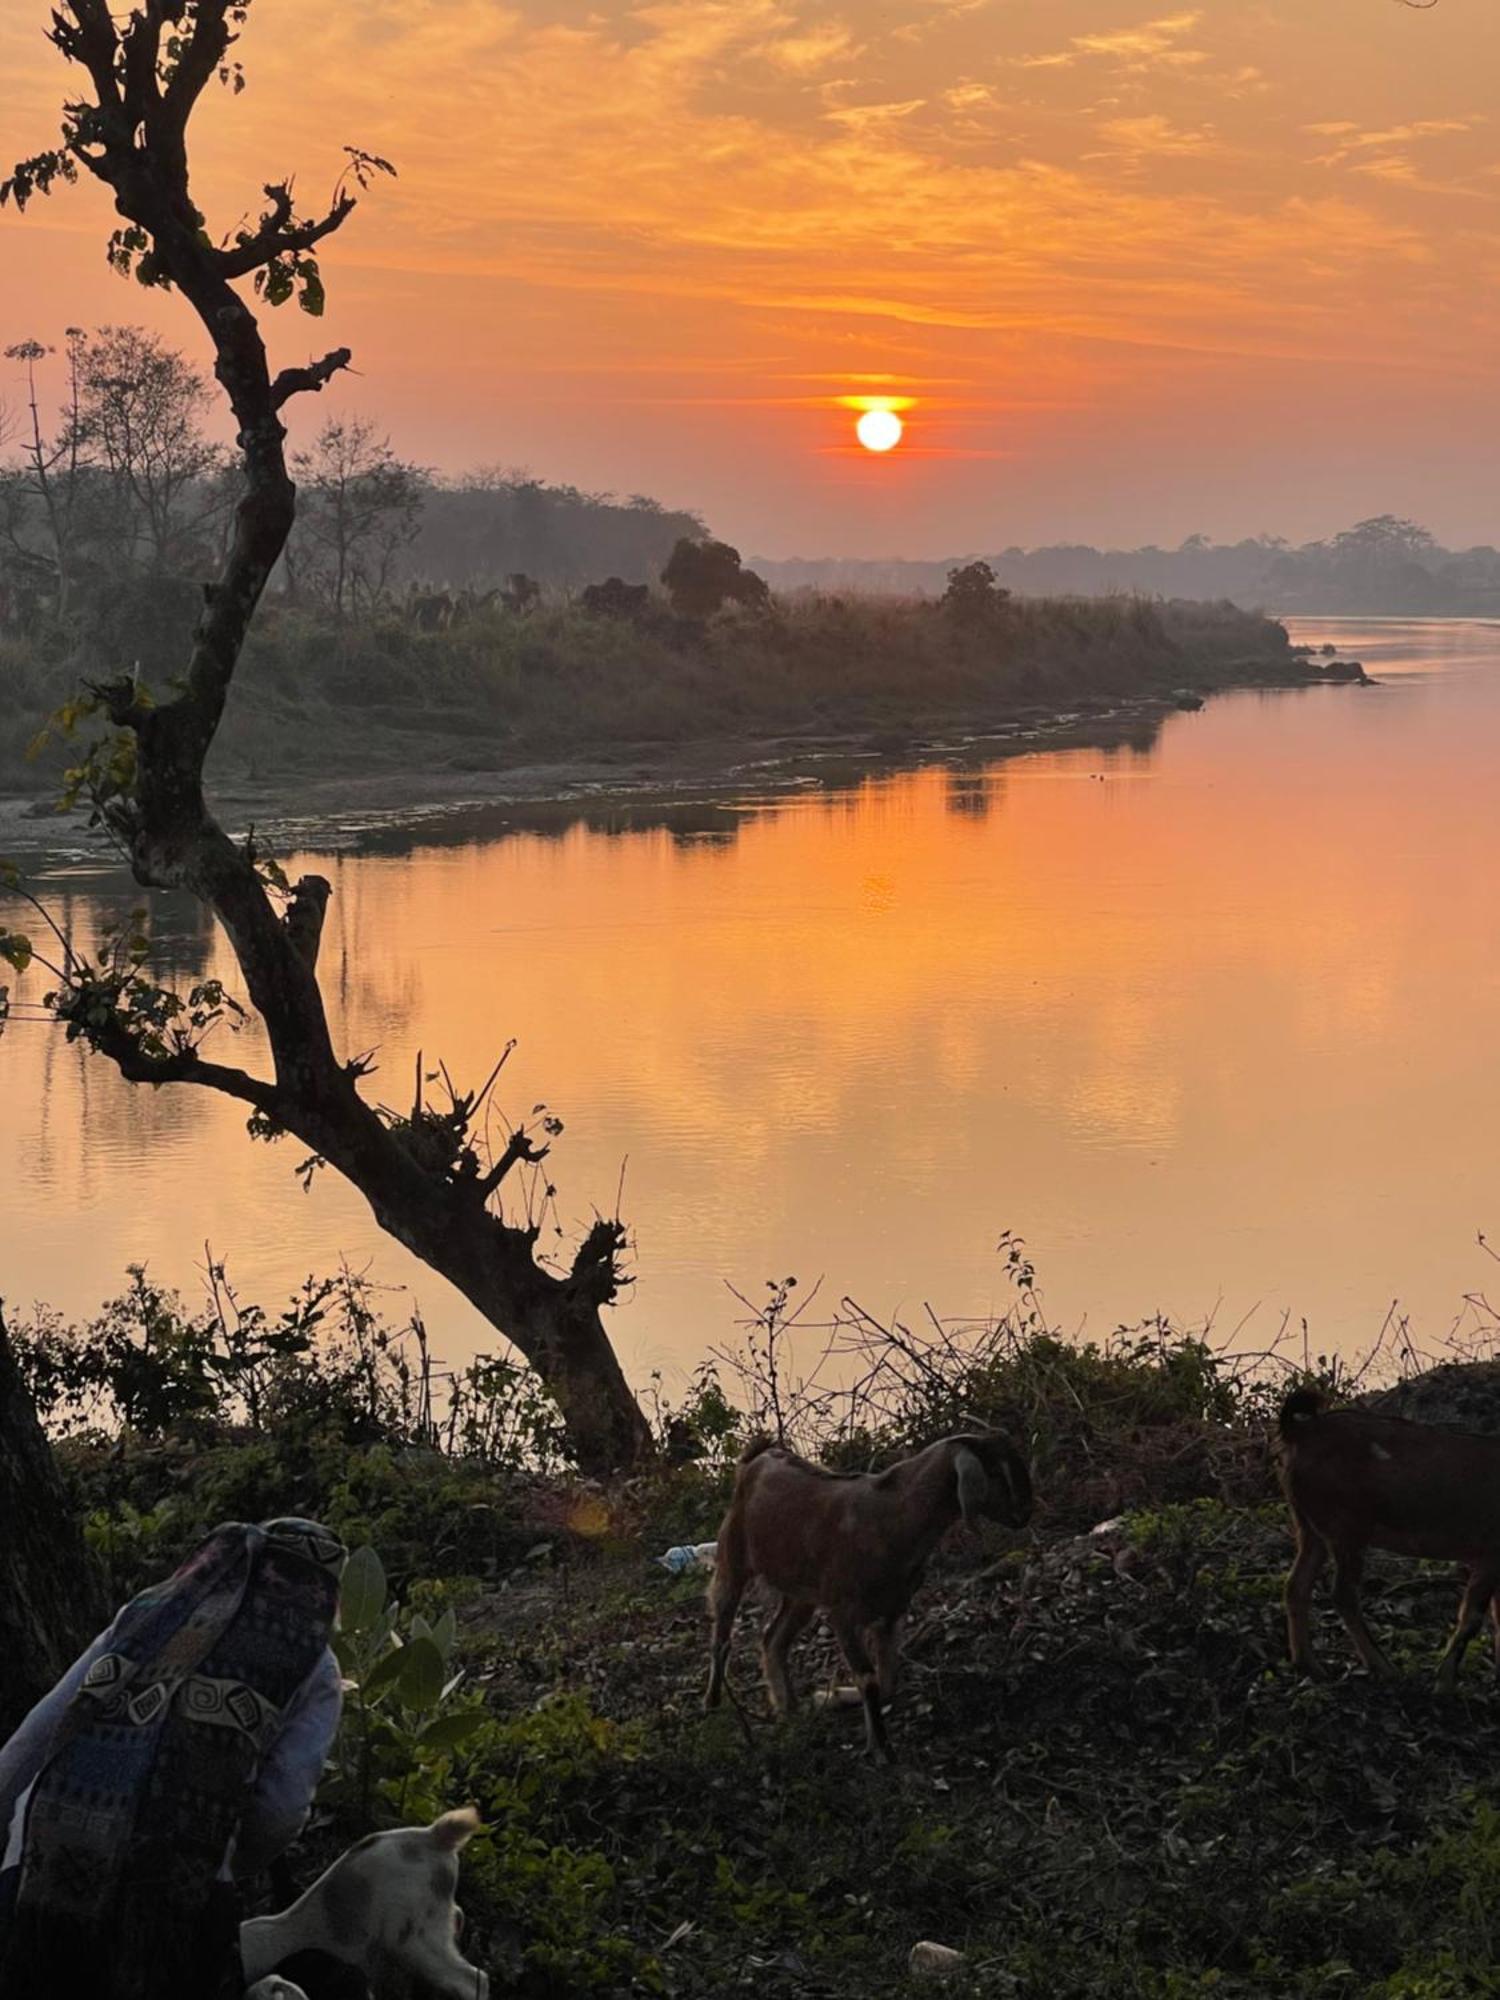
pixel 879 430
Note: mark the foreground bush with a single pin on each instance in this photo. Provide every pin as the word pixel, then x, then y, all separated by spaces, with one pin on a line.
pixel 1111 1782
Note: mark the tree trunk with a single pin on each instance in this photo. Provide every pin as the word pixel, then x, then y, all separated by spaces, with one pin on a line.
pixel 49 1588
pixel 426 1176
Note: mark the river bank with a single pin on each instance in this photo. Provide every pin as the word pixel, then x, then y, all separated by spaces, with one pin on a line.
pixel 440 789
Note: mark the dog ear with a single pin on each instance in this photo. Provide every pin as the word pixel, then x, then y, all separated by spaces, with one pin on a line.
pixel 455 1829
pixel 973 1484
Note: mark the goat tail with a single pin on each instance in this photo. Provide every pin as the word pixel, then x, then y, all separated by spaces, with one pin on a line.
pixel 763 1442
pixel 1299 1408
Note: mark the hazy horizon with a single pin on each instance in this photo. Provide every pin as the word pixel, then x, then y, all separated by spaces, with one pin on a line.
pixel 1141 271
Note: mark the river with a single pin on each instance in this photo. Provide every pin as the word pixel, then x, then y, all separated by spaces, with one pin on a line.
pixel 1212 1024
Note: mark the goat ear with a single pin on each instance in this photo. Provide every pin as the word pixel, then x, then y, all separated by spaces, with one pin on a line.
pixel 454 1829
pixel 973 1483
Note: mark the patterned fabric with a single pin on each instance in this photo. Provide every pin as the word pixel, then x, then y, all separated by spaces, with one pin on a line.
pixel 309 1540
pixel 153 1762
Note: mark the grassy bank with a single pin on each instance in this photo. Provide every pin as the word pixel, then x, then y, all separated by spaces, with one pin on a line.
pixel 1111 1784
pixel 317 697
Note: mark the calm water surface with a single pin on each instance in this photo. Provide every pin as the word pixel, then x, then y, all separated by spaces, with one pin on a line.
pixel 1213 1026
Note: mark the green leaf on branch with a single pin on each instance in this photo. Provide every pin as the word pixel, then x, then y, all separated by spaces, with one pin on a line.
pixel 362 1597
pixel 449 1731
pixel 36 175
pixel 15 949
pixel 384 1673
pixel 422 1674
pixel 312 298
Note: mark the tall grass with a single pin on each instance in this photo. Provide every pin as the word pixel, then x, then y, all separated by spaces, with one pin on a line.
pixel 497 687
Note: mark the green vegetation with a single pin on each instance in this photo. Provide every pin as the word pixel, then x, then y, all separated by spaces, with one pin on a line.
pixel 1111 1783
pixel 316 692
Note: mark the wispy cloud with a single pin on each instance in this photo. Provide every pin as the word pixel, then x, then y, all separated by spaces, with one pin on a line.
pixel 1352 141
pixel 1150 41
pixel 599 189
pixel 811 48
pixel 1152 133
pixel 1145 45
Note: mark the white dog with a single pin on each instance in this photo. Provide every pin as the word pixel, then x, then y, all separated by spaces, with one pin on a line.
pixel 386 1907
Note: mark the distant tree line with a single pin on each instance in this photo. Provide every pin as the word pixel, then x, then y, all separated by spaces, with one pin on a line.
pixel 115 499
pixel 476 532
pixel 1383 564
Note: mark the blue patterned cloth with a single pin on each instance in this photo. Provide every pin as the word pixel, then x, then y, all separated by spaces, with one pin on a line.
pixel 147 1772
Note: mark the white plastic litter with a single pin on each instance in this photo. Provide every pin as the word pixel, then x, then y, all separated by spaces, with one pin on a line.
pixel 689 1555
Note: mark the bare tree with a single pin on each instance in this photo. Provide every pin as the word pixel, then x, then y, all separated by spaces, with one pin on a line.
pixel 141 413
pixel 357 510
pixel 426 1171
pixel 43 496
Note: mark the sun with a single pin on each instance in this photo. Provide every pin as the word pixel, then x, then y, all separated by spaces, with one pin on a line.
pixel 879 430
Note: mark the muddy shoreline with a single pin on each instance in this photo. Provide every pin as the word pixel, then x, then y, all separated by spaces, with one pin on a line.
pixel 691 787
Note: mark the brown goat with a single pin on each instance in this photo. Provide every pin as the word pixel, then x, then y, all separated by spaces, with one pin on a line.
pixel 854 1546
pixel 1356 1481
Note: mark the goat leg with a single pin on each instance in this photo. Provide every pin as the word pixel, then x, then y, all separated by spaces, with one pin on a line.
pixel 1348 1566
pixel 1312 1553
pixel 790 1619
pixel 724 1595
pixel 885 1643
pixel 852 1645
pixel 1476 1598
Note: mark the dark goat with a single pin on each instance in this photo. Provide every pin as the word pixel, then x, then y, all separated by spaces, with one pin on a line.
pixel 854 1546
pixel 1356 1481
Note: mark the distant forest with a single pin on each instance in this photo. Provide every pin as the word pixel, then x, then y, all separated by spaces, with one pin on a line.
pixel 109 475
pixel 476 533
pixel 1383 564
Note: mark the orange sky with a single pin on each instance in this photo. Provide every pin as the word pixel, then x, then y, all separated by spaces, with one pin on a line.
pixel 1142 272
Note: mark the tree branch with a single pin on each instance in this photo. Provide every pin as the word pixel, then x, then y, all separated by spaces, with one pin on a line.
pixel 313 378
pixel 210 43
pixel 185 1066
pixel 518 1148
pixel 595 1274
pixel 91 40
pixel 140 52
pixel 278 235
pixel 304 917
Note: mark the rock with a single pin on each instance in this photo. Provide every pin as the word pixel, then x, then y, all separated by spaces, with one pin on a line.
pixel 934 1961
pixel 1342 671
